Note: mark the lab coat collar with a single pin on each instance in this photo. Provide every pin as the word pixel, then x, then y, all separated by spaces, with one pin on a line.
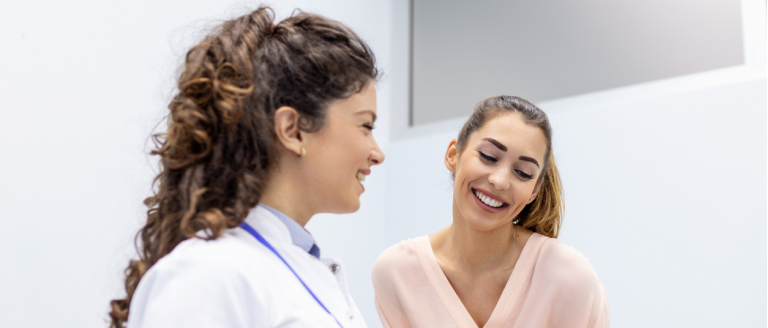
pixel 299 236
pixel 269 226
pixel 275 231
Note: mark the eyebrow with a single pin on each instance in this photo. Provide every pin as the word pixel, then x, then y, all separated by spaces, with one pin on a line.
pixel 496 143
pixel 368 111
pixel 528 159
pixel 504 148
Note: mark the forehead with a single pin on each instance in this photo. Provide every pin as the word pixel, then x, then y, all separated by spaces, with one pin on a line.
pixel 511 130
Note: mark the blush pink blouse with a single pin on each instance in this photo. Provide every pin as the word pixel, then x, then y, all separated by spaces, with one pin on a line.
pixel 552 285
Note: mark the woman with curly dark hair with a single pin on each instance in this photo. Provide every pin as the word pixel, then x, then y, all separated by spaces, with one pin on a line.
pixel 271 125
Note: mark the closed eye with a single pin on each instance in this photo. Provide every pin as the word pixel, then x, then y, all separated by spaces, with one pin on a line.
pixel 524 175
pixel 487 157
pixel 369 126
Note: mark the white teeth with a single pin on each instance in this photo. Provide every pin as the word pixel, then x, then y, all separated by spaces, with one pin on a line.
pixel 360 176
pixel 488 200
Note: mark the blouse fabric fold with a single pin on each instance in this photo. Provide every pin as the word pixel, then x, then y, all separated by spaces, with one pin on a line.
pixel 552 285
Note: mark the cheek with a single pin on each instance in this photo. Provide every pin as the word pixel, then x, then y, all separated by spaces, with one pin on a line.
pixel 351 149
pixel 468 173
pixel 523 191
pixel 470 170
pixel 343 152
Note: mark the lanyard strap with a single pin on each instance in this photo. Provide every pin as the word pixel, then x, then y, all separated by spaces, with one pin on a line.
pixel 261 239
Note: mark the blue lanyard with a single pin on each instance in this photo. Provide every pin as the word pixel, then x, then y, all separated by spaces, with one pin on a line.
pixel 261 239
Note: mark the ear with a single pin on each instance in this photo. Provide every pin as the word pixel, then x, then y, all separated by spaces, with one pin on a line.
pixel 451 156
pixel 287 129
pixel 535 192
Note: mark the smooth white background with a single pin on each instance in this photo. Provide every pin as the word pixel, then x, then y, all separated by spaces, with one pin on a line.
pixel 665 181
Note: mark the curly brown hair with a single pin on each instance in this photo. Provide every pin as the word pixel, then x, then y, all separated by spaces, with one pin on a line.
pixel 220 144
pixel 545 214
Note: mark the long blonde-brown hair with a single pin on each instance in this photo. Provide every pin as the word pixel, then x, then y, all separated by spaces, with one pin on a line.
pixel 220 148
pixel 545 214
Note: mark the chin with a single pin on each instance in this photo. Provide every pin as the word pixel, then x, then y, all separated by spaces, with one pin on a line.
pixel 354 207
pixel 482 221
pixel 348 206
pixel 483 224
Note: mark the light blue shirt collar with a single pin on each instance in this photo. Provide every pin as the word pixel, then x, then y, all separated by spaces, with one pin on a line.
pixel 300 236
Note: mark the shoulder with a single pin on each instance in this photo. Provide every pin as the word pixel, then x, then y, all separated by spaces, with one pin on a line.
pixel 203 283
pixel 396 273
pixel 224 254
pixel 566 270
pixel 563 276
pixel 396 261
pixel 226 263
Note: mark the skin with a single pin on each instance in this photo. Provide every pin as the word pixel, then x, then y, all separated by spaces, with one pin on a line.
pixel 324 180
pixel 479 250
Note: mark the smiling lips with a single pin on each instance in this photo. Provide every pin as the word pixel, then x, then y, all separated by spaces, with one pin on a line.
pixel 491 201
pixel 361 177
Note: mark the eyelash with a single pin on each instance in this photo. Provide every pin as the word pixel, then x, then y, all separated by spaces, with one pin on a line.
pixel 524 175
pixel 491 159
pixel 369 126
pixel 488 158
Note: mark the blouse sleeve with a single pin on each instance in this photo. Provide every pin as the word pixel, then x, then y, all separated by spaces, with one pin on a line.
pixel 390 316
pixel 602 319
pixel 383 276
pixel 568 285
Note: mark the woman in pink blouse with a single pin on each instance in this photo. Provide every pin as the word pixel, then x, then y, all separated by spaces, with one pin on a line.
pixel 498 264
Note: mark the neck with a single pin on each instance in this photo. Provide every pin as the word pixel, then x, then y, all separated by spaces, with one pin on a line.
pixel 287 195
pixel 481 250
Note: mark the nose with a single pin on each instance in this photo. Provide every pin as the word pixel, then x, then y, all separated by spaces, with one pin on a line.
pixel 499 179
pixel 376 156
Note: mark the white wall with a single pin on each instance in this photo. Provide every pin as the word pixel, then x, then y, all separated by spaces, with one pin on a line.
pixel 84 83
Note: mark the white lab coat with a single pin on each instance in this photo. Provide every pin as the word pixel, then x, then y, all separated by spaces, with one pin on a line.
pixel 235 281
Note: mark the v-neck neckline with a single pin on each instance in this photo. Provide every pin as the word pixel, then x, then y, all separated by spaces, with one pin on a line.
pixel 509 295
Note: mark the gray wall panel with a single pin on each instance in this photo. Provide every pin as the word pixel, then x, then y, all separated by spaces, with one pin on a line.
pixel 464 51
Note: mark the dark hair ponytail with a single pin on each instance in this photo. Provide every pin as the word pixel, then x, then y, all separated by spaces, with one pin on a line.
pixel 220 145
pixel 545 214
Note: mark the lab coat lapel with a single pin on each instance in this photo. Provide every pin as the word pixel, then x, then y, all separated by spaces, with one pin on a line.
pixel 328 286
